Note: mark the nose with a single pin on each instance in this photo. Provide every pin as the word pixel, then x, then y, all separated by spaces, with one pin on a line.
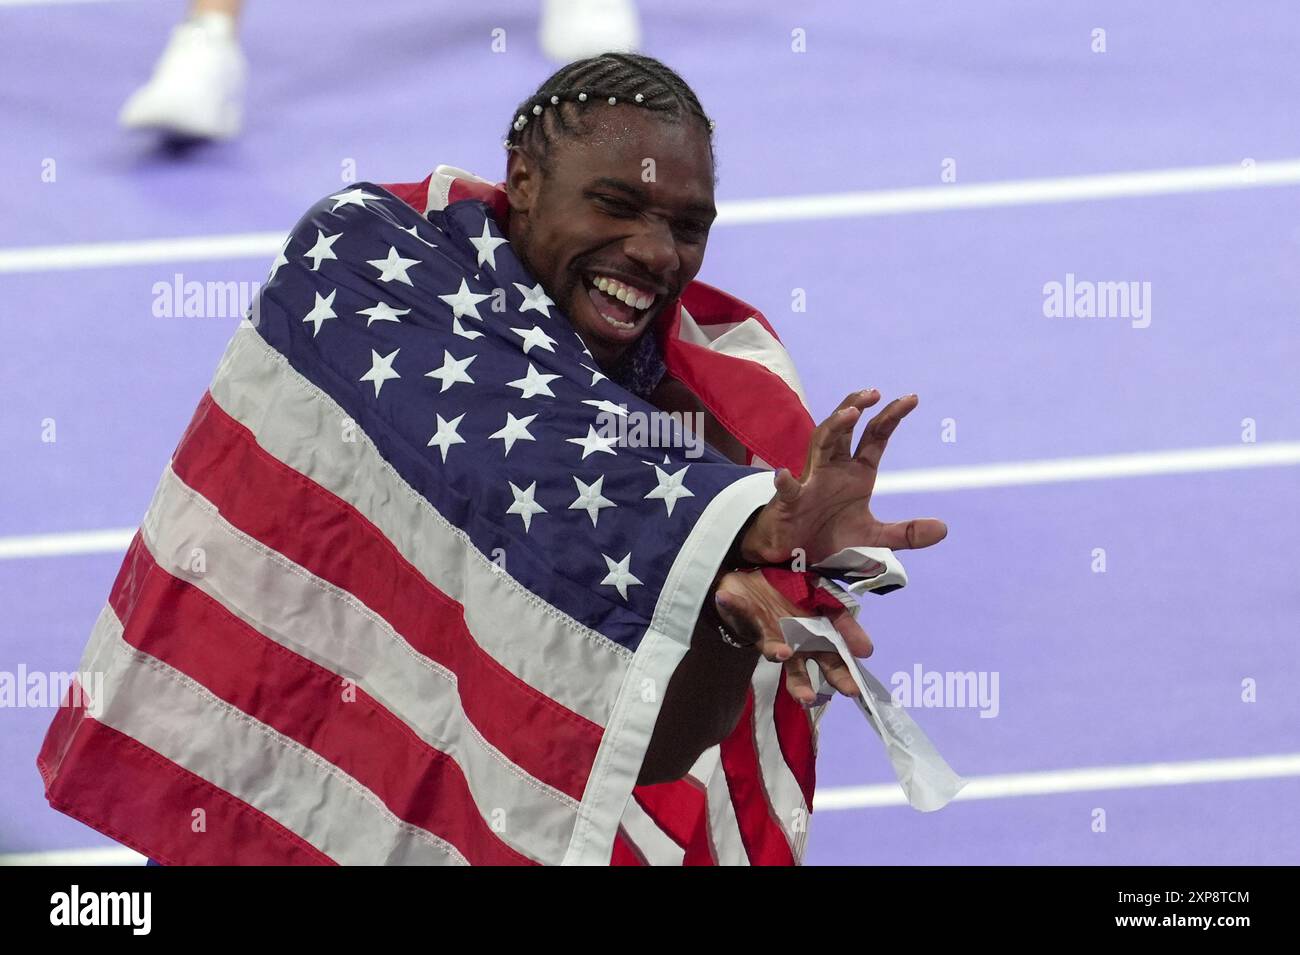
pixel 654 249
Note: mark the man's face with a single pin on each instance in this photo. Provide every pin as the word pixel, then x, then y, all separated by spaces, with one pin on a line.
pixel 617 228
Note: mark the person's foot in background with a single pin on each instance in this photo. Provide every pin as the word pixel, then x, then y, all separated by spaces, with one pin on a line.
pixel 574 29
pixel 197 87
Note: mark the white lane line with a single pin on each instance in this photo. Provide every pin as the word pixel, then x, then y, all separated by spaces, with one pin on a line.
pixel 100 855
pixel 1019 192
pixel 66 544
pixel 1227 457
pixel 1052 782
pixel 51 3
pixel 884 202
pixel 920 480
pixel 92 255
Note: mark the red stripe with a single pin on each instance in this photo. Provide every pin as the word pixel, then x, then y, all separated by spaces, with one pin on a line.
pixel 795 737
pixel 762 836
pixel 286 511
pixel 675 807
pixel 727 385
pixel 625 853
pixel 414 194
pixel 187 629
pixel 137 796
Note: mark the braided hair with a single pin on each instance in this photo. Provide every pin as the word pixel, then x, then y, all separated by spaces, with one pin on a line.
pixel 556 109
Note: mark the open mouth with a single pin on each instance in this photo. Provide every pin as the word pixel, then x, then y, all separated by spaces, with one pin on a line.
pixel 622 307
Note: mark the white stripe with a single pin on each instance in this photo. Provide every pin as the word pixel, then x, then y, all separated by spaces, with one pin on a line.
pixel 730 212
pixel 167 711
pixel 724 828
pixel 314 619
pixel 918 480
pixel 784 797
pixel 294 420
pixel 655 845
pixel 101 855
pixel 1055 781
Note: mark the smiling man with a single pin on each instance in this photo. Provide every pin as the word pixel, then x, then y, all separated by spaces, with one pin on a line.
pixel 397 601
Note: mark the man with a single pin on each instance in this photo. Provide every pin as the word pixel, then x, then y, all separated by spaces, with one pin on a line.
pixel 366 619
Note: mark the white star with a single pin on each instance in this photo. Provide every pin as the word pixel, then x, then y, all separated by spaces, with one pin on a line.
pixel 415 233
pixel 534 383
pixel 452 371
pixel 534 336
pixel 446 435
pixel 486 244
pixel 609 406
pixel 524 504
pixel 463 332
pixel 593 443
pixel 353 197
pixel 323 249
pixel 619 576
pixel 279 259
pixel 516 429
pixel 670 487
pixel 381 369
pixel 393 267
pixel 464 302
pixel 535 299
pixel 382 312
pixel 589 498
pixel 667 460
pixel 595 375
pixel 320 312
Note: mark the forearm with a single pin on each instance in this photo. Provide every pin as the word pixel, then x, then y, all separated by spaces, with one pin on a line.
pixel 701 704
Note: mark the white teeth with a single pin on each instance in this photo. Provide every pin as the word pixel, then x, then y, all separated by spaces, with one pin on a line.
pixel 617 324
pixel 628 296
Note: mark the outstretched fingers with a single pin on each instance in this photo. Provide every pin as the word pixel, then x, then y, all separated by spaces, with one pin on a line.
pixel 876 435
pixel 833 438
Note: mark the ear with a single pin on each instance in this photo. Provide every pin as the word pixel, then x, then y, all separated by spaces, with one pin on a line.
pixel 523 180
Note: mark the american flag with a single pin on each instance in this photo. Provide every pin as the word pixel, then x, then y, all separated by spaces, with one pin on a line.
pixel 398 600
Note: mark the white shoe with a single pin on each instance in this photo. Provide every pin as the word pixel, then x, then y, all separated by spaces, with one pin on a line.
pixel 574 29
pixel 197 87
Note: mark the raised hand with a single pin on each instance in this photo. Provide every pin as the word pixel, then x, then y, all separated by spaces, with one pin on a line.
pixel 829 509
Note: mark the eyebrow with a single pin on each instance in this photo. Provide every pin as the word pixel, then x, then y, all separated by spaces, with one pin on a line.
pixel 636 192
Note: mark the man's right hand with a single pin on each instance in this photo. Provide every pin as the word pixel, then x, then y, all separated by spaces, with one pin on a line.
pixel 829 508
